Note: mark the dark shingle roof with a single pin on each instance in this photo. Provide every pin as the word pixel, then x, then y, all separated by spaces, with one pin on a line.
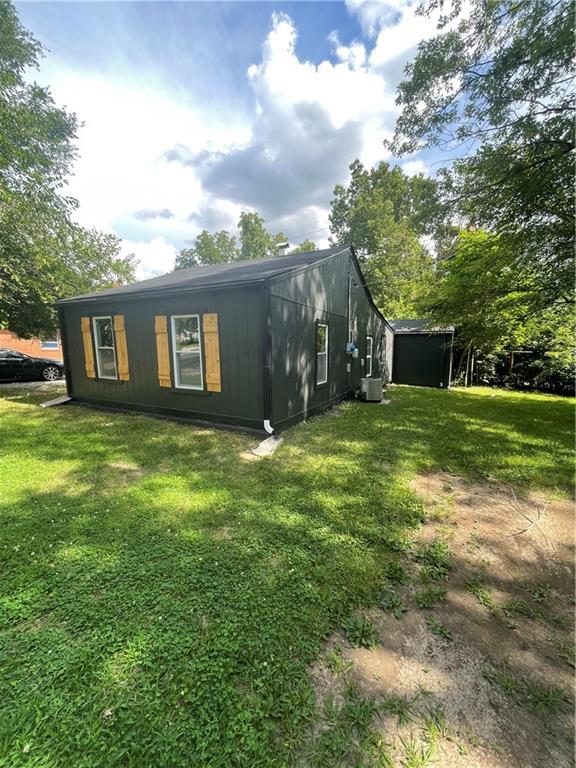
pixel 218 274
pixel 418 325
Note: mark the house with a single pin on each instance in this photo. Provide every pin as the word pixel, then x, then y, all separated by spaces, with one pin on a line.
pixel 45 346
pixel 252 344
pixel 422 353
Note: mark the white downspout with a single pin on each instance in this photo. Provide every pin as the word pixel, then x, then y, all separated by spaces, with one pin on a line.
pixel 268 427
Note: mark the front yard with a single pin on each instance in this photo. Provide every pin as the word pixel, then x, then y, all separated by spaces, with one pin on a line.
pixel 165 601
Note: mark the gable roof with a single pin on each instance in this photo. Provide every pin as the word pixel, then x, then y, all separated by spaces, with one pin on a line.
pixel 246 271
pixel 418 325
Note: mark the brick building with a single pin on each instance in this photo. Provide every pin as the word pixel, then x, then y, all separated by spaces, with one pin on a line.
pixel 48 346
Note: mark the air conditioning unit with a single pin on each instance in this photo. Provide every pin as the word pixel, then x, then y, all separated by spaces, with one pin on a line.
pixel 371 390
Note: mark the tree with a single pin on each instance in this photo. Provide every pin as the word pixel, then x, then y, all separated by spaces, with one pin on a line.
pixel 255 241
pixel 473 292
pixel 382 212
pixel 43 254
pixel 498 83
pixel 304 247
pixel 219 248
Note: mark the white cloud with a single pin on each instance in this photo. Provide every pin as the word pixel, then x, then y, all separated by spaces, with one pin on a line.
pixel 156 167
pixel 155 257
pixel 311 121
pixel 414 167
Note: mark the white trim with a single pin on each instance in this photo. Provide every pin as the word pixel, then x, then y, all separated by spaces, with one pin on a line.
pixel 268 427
pixel 369 356
pixel 177 384
pixel 322 325
pixel 46 343
pixel 97 348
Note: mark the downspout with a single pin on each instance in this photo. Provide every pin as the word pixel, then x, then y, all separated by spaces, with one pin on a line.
pixel 267 358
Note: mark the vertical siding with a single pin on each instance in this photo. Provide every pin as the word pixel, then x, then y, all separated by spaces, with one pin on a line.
pixel 239 317
pixel 320 294
pixel 423 359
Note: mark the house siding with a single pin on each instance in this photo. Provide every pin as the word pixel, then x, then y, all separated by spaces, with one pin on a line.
pixel 298 303
pixel 239 318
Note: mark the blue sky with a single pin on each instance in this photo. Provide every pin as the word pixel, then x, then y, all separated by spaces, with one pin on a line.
pixel 194 111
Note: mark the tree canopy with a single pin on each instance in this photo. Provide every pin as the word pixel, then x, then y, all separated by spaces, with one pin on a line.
pixel 495 87
pixel 384 212
pixel 44 255
pixel 255 242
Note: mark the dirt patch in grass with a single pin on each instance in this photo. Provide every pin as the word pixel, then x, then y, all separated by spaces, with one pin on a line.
pixel 482 675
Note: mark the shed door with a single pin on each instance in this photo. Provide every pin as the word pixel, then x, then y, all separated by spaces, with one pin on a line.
pixel 420 359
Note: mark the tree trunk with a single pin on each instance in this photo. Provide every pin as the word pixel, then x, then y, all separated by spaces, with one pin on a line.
pixel 466 374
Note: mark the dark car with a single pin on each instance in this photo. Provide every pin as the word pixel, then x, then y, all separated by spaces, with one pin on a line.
pixel 16 365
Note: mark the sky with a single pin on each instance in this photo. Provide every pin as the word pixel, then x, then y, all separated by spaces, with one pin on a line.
pixel 192 112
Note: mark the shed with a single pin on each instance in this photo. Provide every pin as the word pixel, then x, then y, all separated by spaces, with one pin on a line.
pixel 256 344
pixel 422 353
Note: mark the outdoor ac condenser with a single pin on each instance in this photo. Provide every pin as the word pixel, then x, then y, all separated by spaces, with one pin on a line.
pixel 371 390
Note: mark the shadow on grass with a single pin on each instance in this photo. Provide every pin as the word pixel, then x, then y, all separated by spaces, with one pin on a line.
pixel 163 599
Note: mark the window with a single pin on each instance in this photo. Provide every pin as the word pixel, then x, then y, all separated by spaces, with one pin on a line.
pixel 104 343
pixel 51 343
pixel 369 344
pixel 321 353
pixel 187 352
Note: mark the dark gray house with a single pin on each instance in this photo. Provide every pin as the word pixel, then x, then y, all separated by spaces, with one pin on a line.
pixel 252 344
pixel 422 353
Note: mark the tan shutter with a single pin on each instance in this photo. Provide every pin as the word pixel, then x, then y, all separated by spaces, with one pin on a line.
pixel 162 350
pixel 88 348
pixel 212 352
pixel 121 348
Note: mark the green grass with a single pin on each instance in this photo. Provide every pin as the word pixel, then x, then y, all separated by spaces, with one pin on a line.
pixel 429 597
pixel 544 699
pixel 162 599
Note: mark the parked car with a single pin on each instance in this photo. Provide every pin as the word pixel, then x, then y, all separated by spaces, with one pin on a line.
pixel 17 366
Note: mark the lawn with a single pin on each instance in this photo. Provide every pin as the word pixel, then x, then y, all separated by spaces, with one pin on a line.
pixel 162 598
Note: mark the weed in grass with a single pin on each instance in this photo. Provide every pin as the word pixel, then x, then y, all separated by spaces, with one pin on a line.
pixel 430 596
pixel 543 698
pixel 401 706
pixel 336 663
pixel 347 736
pixel 438 629
pixel 436 557
pixel 539 592
pixel 503 677
pixel 434 725
pixel 392 602
pixel 520 607
pixel 417 754
pixel 360 632
pixel 478 587
pixel 395 573
pixel 567 652
pixel 358 711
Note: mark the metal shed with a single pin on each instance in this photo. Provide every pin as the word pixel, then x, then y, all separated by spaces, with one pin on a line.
pixel 422 353
pixel 252 344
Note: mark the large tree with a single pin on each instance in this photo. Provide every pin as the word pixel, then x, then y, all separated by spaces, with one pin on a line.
pixel 305 246
pixel 222 247
pixel 495 87
pixel 217 248
pixel 384 213
pixel 255 240
pixel 43 254
pixel 473 292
